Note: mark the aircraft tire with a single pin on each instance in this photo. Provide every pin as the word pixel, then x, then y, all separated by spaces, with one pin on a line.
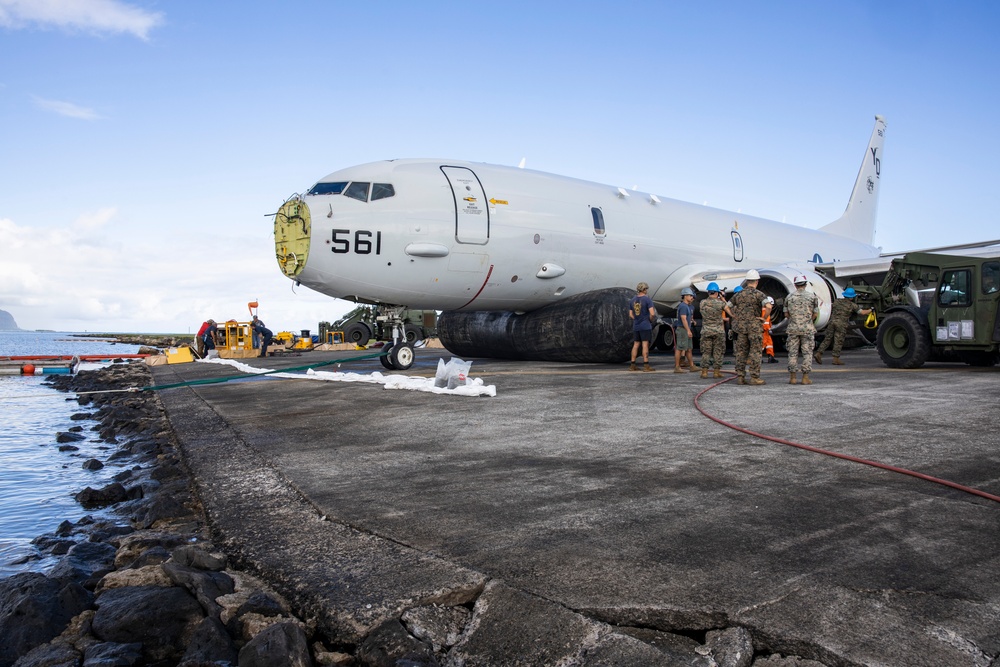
pixel 358 333
pixel 401 356
pixel 386 359
pixel 902 341
pixel 664 338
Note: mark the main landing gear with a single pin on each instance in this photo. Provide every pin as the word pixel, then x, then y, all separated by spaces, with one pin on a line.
pixel 399 356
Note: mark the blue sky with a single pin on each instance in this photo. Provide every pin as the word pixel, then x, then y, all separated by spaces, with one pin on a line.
pixel 143 143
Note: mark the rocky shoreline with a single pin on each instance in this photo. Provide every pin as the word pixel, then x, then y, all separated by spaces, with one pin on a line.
pixel 157 584
pixel 145 586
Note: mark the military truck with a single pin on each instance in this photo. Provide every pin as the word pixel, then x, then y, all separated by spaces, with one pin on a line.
pixel 365 323
pixel 935 307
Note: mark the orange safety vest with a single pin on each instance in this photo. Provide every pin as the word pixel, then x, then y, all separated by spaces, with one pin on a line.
pixel 768 343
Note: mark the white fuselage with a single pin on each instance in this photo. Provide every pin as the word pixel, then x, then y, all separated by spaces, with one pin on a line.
pixel 462 235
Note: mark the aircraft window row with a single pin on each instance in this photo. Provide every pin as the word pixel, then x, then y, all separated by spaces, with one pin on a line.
pixel 355 190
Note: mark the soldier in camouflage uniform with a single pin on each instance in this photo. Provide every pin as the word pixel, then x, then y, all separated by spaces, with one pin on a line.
pixel 745 310
pixel 801 309
pixel 713 332
pixel 836 330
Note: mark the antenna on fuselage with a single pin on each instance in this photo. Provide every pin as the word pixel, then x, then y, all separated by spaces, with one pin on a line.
pixel 520 165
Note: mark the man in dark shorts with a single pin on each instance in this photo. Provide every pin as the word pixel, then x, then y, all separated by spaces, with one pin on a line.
pixel 642 312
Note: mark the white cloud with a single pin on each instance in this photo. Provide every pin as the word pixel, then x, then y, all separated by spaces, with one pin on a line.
pixel 91 221
pixel 95 274
pixel 67 109
pixel 95 16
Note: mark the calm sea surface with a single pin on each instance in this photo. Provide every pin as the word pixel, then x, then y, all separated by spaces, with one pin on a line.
pixel 37 481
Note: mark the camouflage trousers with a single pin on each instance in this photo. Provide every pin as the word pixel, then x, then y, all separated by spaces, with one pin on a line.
pixel 834 334
pixel 800 344
pixel 748 348
pixel 713 349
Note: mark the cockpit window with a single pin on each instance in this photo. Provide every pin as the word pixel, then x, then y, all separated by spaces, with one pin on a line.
pixel 327 188
pixel 382 191
pixel 357 190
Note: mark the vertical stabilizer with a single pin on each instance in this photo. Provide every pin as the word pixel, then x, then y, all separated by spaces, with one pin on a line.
pixel 858 221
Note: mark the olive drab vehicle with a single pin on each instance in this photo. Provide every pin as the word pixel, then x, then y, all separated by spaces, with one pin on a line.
pixel 935 307
pixel 367 323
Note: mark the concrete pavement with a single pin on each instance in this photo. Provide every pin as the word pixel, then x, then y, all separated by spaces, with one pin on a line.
pixel 591 515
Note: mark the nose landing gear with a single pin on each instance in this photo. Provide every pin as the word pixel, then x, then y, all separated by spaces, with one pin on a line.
pixel 399 356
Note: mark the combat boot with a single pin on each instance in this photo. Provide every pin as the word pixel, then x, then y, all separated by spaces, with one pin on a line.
pixel 717 374
pixel 704 373
pixel 838 362
pixel 756 381
pixel 805 379
pixel 646 368
pixel 741 380
pixel 818 358
pixel 632 367
pixel 793 379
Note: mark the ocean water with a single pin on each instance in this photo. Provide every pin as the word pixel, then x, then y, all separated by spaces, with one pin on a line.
pixel 37 481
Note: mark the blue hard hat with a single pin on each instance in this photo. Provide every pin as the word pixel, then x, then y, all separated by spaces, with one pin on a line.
pixel 849 293
pixel 713 287
pixel 739 288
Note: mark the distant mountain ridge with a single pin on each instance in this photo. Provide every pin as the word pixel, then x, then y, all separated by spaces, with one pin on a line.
pixel 7 322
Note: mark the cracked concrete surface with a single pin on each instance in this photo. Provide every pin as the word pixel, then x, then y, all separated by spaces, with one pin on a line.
pixel 606 496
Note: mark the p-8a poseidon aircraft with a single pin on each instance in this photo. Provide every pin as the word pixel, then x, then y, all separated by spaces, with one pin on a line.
pixel 530 265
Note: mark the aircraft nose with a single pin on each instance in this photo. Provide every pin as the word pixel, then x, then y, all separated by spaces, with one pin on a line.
pixel 292 233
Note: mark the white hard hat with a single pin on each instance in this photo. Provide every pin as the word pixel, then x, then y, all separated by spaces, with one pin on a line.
pixel 769 300
pixel 753 275
pixel 800 280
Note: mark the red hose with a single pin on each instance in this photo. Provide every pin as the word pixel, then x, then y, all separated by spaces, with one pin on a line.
pixel 846 457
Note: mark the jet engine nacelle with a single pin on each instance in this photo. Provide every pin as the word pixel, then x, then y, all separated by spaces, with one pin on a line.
pixel 780 282
pixel 593 327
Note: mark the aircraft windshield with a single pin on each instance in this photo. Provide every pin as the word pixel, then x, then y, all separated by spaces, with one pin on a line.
pixel 327 188
pixel 382 191
pixel 355 190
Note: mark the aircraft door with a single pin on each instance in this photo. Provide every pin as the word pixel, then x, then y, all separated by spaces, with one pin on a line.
pixel 472 213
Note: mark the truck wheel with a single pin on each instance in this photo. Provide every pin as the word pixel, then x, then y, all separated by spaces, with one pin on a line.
pixel 411 333
pixel 902 342
pixel 358 333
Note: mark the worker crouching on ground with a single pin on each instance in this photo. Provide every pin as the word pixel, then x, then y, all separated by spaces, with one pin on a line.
pixel 713 331
pixel 840 317
pixel 209 340
pixel 801 309
pixel 745 309
pixel 642 312
pixel 265 334
pixel 684 337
